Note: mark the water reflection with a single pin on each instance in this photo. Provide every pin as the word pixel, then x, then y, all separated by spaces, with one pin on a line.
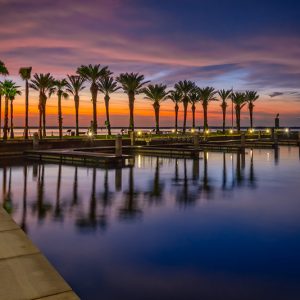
pixel 41 207
pixel 156 185
pixel 158 206
pixel 130 208
pixel 75 188
pixel 58 213
pixel 24 208
pixel 89 221
pixel 190 182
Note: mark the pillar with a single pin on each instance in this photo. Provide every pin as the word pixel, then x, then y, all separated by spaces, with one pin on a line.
pixel 35 141
pixel 118 145
pixel 243 140
pixel 196 140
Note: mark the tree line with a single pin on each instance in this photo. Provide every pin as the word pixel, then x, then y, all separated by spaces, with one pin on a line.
pixel 101 80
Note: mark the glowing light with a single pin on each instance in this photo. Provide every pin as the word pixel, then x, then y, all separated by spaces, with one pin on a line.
pixel 173 130
pixel 251 130
pixel 267 130
pixel 286 130
pixel 207 131
pixel 139 133
pixel 90 134
pixel 192 130
pixel 231 131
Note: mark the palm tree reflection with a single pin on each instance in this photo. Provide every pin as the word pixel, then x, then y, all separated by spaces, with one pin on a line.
pixel 7 201
pixel 186 189
pixel 4 179
pixel 58 215
pixel 252 179
pixel 105 201
pixel 157 187
pixel 239 168
pixel 118 179
pixel 206 186
pixel 224 177
pixel 91 220
pixel 24 209
pixel 41 207
pixel 187 194
pixel 75 188
pixel 130 209
pixel 196 169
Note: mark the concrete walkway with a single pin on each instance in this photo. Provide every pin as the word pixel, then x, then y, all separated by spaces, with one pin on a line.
pixel 25 273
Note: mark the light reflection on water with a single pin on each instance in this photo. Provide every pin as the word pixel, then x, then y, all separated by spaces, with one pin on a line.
pixel 226 226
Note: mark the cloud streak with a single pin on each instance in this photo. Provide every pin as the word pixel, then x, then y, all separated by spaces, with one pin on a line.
pixel 257 47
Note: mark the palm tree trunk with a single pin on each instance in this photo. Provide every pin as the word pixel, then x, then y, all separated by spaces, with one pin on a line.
pixel 76 100
pixel 156 110
pixel 224 117
pixel 176 117
pixel 26 109
pixel 238 116
pixel 185 106
pixel 131 111
pixel 11 119
pixel 5 128
pixel 44 120
pixel 40 123
pixel 251 116
pixel 106 101
pixel 94 91
pixel 59 116
pixel 40 115
pixel 193 113
pixel 205 116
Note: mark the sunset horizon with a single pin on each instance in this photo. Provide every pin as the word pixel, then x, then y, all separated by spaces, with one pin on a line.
pixel 137 37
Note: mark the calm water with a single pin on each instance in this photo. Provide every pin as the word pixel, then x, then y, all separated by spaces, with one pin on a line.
pixel 222 227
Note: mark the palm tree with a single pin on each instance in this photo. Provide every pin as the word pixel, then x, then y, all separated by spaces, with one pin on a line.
pixel 194 98
pixel 74 86
pixel 239 100
pixel 12 97
pixel 132 84
pixel 156 93
pixel 107 85
pixel 185 88
pixel 224 95
pixel 93 73
pixel 25 74
pixel 206 95
pixel 251 97
pixel 176 97
pixel 9 90
pixel 43 83
pixel 60 89
pixel 3 71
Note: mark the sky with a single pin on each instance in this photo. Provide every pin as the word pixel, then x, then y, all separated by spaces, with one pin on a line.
pixel 221 43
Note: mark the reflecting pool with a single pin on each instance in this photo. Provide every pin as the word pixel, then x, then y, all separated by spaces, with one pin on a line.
pixel 225 226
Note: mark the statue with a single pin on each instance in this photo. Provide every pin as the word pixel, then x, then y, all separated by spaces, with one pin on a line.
pixel 277 122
